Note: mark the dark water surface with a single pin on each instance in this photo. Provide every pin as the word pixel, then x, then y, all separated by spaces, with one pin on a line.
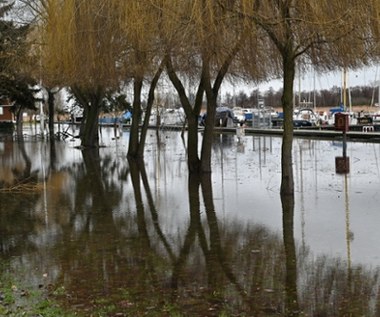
pixel 108 235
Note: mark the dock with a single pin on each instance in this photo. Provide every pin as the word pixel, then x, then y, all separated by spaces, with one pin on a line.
pixel 355 134
pixel 314 133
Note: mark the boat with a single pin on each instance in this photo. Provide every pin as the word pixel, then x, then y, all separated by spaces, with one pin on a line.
pixel 376 118
pixel 224 117
pixel 305 117
pixel 239 115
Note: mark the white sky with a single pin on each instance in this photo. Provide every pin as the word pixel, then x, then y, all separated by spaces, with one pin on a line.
pixel 363 77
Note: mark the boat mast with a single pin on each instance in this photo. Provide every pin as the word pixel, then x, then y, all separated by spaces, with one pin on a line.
pixel 299 86
pixel 314 95
pixel 344 94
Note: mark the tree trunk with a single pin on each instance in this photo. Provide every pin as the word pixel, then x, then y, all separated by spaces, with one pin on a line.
pixel 212 92
pixel 90 133
pixel 192 114
pixel 51 113
pixel 133 149
pixel 91 101
pixel 208 136
pixel 287 187
pixel 148 111
pixel 192 144
pixel 90 137
pixel 287 181
pixel 19 122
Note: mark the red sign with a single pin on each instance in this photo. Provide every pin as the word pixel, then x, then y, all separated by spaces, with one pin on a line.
pixel 341 122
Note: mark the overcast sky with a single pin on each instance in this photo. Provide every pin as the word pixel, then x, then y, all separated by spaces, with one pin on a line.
pixel 364 77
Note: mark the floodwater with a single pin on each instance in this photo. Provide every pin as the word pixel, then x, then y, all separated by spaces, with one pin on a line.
pixel 110 237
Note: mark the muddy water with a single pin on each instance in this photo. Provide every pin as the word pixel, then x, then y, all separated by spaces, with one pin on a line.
pixel 124 239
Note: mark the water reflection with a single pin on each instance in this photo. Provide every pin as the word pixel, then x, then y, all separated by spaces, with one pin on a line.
pixel 287 200
pixel 144 237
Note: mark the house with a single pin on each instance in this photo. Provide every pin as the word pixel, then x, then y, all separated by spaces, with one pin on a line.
pixel 6 115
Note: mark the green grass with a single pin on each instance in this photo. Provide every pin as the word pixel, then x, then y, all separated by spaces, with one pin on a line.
pixel 18 300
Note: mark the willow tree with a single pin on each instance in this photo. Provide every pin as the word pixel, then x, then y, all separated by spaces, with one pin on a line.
pixel 80 50
pixel 373 18
pixel 202 41
pixel 325 34
pixel 184 69
pixel 140 62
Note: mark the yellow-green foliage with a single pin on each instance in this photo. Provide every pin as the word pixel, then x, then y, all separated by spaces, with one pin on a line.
pixel 100 42
pixel 331 33
pixel 80 42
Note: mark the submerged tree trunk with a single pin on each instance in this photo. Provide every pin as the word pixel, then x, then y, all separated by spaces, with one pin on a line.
pixel 192 114
pixel 148 111
pixel 90 136
pixel 193 161
pixel 133 149
pixel 287 181
pixel 208 136
pixel 51 98
pixel 287 187
pixel 91 101
pixel 212 92
pixel 19 122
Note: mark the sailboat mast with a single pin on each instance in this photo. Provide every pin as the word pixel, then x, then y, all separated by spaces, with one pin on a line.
pixel 314 95
pixel 299 86
pixel 344 94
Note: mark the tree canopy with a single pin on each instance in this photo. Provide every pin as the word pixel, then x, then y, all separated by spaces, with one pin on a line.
pixel 95 44
pixel 15 80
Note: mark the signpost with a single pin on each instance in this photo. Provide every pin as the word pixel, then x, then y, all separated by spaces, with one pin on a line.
pixel 342 163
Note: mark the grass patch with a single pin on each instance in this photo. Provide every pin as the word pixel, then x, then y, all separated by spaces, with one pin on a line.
pixel 18 300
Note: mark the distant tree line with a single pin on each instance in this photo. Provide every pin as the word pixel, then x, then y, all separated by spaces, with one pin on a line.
pixel 360 96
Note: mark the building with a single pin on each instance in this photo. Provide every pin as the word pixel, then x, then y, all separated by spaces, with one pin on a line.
pixel 6 115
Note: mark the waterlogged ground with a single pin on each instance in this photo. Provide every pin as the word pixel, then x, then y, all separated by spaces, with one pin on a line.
pixel 91 233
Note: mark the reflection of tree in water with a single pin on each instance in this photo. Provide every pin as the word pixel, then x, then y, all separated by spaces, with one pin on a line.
pixel 211 268
pixel 16 209
pixel 23 176
pixel 287 200
pixel 330 289
pixel 17 199
pixel 91 238
pixel 223 141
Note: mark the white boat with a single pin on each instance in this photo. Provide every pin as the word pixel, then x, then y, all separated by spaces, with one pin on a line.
pixel 239 114
pixel 307 115
pixel 376 118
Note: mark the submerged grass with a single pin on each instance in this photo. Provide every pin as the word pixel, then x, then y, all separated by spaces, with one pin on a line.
pixel 19 300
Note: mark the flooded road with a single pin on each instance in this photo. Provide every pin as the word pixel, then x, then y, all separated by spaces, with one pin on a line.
pixel 116 238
